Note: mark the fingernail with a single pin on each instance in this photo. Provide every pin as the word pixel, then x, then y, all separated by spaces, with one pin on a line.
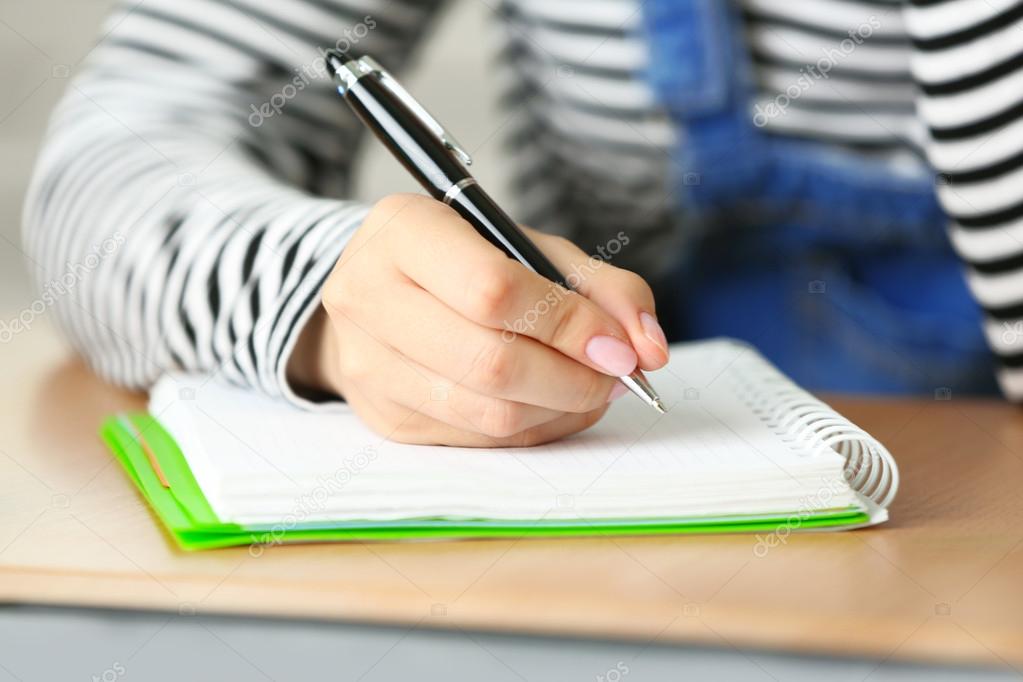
pixel 617 392
pixel 613 356
pixel 653 331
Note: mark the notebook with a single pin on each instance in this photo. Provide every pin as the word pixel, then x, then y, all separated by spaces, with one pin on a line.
pixel 741 448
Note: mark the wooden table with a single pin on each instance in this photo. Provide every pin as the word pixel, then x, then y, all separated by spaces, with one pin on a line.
pixel 943 581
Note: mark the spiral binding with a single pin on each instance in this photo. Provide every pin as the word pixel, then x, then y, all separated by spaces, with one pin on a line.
pixel 811 427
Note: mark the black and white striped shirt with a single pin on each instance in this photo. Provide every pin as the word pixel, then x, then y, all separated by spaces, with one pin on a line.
pixel 181 191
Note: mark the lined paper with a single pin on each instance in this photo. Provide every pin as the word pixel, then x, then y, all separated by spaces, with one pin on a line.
pixel 258 460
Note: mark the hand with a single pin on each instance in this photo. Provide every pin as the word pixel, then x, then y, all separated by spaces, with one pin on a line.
pixel 433 335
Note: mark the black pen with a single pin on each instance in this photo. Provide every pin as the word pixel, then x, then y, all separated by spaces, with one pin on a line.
pixel 438 162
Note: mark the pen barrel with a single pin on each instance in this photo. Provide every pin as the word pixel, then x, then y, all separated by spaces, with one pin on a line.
pixel 431 163
pixel 422 154
pixel 483 213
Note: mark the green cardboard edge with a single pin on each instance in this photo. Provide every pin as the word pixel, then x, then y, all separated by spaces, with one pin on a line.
pixel 188 518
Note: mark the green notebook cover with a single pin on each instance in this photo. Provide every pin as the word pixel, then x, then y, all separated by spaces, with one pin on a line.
pixel 192 523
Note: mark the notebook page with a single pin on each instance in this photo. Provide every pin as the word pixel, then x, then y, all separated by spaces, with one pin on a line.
pixel 710 453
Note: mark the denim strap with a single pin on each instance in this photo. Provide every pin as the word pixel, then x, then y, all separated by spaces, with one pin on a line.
pixel 730 169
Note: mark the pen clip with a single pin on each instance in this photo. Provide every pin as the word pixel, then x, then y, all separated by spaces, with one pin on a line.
pixel 368 64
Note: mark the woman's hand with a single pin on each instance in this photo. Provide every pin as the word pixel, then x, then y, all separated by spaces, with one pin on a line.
pixel 433 335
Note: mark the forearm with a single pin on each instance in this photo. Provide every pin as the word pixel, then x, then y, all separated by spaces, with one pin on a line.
pixel 206 261
pixel 221 231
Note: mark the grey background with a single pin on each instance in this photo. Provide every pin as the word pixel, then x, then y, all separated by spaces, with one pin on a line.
pixel 42 40
pixel 116 646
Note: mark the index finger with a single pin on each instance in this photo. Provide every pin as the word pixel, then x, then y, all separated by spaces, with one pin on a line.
pixel 448 258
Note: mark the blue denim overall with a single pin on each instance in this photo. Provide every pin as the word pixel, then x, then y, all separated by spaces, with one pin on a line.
pixel 836 267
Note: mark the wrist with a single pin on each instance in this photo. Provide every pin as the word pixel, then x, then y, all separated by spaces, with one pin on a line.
pixel 312 367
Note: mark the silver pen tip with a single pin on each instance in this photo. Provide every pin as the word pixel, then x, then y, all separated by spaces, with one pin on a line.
pixel 638 384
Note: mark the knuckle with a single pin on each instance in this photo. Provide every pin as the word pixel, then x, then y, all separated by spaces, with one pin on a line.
pixel 567 317
pixel 395 214
pixel 529 438
pixel 491 293
pixel 339 291
pixel 631 280
pixel 350 290
pixel 353 368
pixel 594 416
pixel 635 285
pixel 494 369
pixel 406 435
pixel 395 203
pixel 404 425
pixel 501 419
pixel 538 435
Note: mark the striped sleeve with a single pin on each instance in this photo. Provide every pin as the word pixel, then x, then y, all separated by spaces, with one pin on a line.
pixel 189 199
pixel 968 63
